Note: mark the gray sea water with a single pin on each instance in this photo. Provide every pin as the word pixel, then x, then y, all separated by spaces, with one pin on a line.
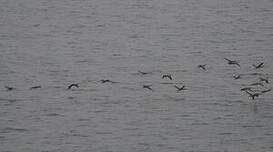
pixel 54 43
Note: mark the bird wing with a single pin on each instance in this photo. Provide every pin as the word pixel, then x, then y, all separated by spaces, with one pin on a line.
pixel 177 87
pixel 148 87
pixel 266 91
pixel 227 59
pixel 237 64
pixel 249 93
pixel 260 65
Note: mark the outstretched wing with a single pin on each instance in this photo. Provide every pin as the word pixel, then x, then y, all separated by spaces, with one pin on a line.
pixel 248 93
pixel 177 87
pixel 227 59
pixel 260 65
pixel 237 64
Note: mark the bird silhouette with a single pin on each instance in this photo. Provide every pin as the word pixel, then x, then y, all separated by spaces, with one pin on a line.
pixel 261 65
pixel 232 62
pixel 9 88
pixel 35 87
pixel 106 80
pixel 247 89
pixel 147 87
pixel 179 88
pixel 73 85
pixel 143 73
pixel 202 66
pixel 167 76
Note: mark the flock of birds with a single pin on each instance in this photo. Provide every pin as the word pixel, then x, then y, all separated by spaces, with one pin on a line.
pixel 248 90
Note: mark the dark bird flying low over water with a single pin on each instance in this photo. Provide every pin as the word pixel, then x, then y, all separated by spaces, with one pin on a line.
pixel 35 87
pixel 104 81
pixel 202 66
pixel 179 88
pixel 247 89
pixel 73 85
pixel 9 88
pixel 143 73
pixel 147 87
pixel 167 76
pixel 261 65
pixel 232 62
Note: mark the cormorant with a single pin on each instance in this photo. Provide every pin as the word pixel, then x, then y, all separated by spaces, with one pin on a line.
pixel 232 62
pixel 147 87
pixel 202 66
pixel 167 76
pixel 73 85
pixel 180 88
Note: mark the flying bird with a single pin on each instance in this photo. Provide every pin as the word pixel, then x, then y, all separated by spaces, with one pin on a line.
pixel 232 62
pixel 147 87
pixel 167 76
pixel 35 87
pixel 247 89
pixel 202 66
pixel 9 88
pixel 179 88
pixel 104 81
pixel 143 73
pixel 73 85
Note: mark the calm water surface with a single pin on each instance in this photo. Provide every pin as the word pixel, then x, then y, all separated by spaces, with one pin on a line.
pixel 56 43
